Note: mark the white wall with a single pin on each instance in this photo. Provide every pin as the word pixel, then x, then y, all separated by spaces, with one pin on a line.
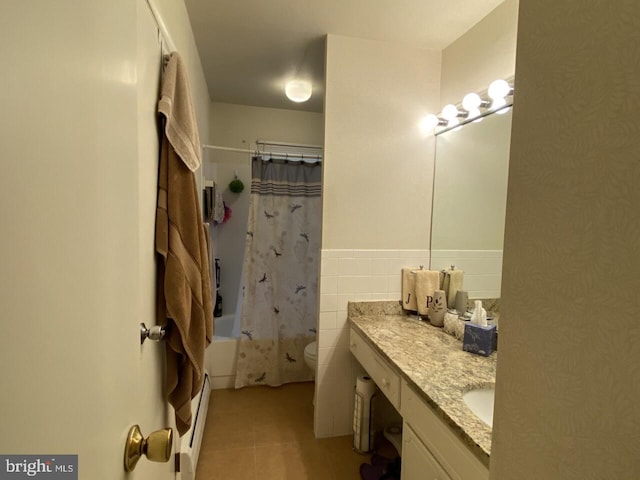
pixel 239 126
pixel 484 53
pixel 77 202
pixel 378 175
pixel 378 169
pixel 567 380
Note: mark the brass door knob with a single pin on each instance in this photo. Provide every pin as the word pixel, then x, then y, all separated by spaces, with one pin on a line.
pixel 157 446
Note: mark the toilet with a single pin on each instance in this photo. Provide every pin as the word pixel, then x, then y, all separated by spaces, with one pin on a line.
pixel 311 355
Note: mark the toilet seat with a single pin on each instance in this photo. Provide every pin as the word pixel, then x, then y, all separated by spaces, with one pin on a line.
pixel 310 351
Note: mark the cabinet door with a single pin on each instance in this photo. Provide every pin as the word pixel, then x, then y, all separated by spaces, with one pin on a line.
pixel 417 461
pixel 446 447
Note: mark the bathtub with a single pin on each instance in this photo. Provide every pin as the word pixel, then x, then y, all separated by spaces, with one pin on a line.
pixel 224 327
pixel 221 354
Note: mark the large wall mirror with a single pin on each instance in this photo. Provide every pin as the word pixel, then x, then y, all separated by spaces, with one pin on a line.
pixel 469 204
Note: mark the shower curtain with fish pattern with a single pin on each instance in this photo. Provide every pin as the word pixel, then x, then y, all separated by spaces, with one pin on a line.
pixel 280 271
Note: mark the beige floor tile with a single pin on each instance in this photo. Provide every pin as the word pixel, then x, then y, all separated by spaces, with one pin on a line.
pixel 288 431
pixel 346 472
pixel 227 430
pixel 268 432
pixel 228 464
pixel 344 461
pixel 293 461
pixel 242 400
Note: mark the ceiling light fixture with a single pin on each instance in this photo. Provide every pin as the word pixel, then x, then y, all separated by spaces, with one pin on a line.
pixel 298 90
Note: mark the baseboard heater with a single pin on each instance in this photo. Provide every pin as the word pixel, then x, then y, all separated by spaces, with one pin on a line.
pixel 187 460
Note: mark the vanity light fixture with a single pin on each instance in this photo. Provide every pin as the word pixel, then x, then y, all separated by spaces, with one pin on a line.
pixel 498 91
pixel 472 106
pixel 472 101
pixel 451 113
pixel 431 121
pixel 298 90
pixel 454 122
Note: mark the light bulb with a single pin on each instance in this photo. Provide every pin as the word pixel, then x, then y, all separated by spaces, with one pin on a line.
pixel 498 103
pixel 449 112
pixel 428 123
pixel 474 112
pixel 298 90
pixel 502 111
pixel 499 89
pixel 471 101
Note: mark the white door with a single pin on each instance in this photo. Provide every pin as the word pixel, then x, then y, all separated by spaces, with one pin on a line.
pixel 77 200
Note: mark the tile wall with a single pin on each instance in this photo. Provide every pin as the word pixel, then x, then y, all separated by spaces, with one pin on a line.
pixel 348 275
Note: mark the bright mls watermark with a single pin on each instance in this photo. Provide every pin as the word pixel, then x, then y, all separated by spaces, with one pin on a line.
pixel 40 467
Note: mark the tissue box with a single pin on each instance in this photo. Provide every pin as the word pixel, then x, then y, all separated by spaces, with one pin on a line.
pixel 479 339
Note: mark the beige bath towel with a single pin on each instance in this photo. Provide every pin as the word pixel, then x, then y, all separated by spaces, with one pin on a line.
pixel 184 291
pixel 427 282
pixel 409 288
pixel 175 104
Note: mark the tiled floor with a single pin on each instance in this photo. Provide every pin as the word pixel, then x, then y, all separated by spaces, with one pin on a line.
pixel 267 434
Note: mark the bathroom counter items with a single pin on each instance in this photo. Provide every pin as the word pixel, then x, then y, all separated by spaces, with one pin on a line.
pixel 433 364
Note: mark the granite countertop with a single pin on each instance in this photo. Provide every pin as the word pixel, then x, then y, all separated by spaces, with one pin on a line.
pixel 433 363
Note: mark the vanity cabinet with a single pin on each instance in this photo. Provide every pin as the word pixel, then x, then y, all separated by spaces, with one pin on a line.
pixel 431 449
pixel 441 443
pixel 417 461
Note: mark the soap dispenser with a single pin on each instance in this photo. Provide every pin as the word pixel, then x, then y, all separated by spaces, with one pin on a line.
pixel 438 308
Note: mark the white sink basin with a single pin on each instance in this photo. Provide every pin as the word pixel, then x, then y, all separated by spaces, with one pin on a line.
pixel 480 402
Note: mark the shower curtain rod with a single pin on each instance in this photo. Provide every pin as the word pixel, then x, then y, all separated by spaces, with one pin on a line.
pixel 285 144
pixel 276 154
